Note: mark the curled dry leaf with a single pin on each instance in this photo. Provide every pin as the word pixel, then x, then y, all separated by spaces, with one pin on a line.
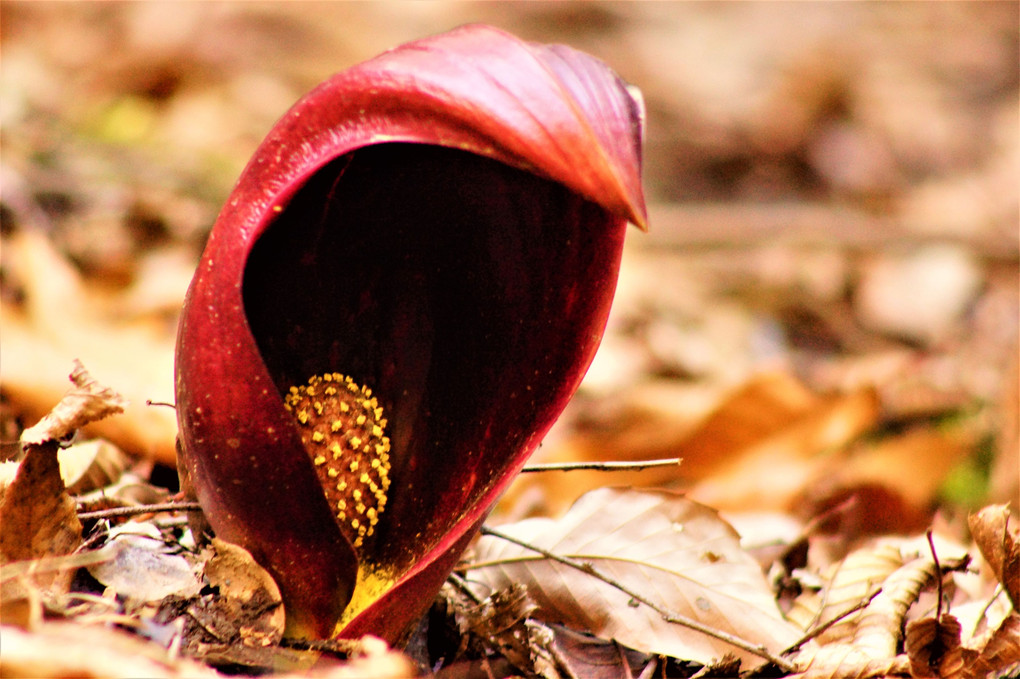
pixel 1000 547
pixel 38 518
pixel 900 567
pixel 675 552
pixel 866 643
pixel 87 402
pixel 242 624
pixel 1001 652
pixel 846 661
pixel 879 627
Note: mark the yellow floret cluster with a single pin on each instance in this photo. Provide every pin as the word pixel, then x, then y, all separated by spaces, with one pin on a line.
pixel 344 431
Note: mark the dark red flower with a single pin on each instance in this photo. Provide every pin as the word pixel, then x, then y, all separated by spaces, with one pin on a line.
pixel 442 225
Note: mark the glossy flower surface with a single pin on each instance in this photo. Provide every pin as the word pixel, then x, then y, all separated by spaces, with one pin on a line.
pixel 439 229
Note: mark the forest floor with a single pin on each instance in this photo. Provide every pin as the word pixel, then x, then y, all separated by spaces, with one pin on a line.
pixel 820 331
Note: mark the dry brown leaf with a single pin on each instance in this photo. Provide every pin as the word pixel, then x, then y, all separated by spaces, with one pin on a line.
pixel 60 321
pixel 846 515
pixel 593 658
pixel 774 471
pixel 1001 652
pixel 677 553
pixel 37 517
pixel 1000 547
pixel 756 449
pixel 501 620
pixel 649 426
pixel 89 401
pixel 765 405
pixel 910 467
pixel 934 649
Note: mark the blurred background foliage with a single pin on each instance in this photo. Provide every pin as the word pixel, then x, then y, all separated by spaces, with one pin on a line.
pixel 833 192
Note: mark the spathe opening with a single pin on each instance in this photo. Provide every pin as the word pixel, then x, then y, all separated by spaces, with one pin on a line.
pixel 470 296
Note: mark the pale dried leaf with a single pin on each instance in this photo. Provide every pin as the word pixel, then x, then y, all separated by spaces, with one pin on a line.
pixel 142 567
pixel 848 582
pixel 87 402
pixel 878 630
pixel 673 551
pixel 90 652
pixel 846 661
pixel 900 567
pixel 91 465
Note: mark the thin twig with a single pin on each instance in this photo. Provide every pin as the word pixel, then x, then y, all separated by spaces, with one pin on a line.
pixel 118 512
pixel 817 630
pixel 602 466
pixel 667 615
pixel 461 583
pixel 938 575
pixel 340 647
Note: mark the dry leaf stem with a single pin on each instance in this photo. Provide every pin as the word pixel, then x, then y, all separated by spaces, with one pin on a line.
pixel 461 584
pixel 602 466
pixel 667 615
pixel 119 512
pixel 820 628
